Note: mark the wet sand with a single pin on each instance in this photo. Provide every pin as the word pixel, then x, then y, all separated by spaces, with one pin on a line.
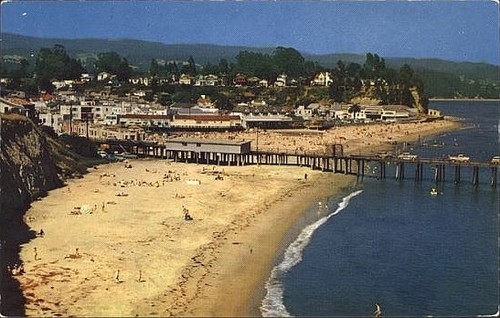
pixel 213 265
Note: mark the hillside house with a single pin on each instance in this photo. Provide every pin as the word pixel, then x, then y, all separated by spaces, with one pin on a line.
pixel 322 79
pixel 10 106
pixel 140 80
pixel 240 80
pixel 185 79
pixel 280 81
pixel 102 76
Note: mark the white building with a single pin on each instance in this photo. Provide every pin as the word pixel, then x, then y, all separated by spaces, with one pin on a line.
pixel 53 120
pixel 322 79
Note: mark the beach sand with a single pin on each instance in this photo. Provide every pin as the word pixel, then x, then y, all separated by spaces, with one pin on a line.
pixel 213 265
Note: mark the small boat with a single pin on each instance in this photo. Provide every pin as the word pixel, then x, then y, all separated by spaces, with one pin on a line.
pixel 434 191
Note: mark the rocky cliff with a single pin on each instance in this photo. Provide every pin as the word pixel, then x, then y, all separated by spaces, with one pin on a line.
pixel 31 164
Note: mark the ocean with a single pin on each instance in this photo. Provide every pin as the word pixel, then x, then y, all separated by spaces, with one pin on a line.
pixel 391 243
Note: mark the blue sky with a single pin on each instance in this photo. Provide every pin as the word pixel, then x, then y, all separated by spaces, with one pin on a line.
pixel 453 30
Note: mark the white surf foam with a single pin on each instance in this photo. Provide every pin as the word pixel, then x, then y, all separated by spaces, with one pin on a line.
pixel 272 304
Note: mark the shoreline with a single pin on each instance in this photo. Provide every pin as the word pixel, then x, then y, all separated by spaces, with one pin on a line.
pixel 249 281
pixel 209 271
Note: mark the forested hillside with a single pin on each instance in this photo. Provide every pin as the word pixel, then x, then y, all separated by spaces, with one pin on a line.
pixel 445 79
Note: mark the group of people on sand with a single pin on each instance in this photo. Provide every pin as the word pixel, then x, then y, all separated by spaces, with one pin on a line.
pixel 16 269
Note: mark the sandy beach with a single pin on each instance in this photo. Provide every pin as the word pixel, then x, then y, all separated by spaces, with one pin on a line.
pixel 117 243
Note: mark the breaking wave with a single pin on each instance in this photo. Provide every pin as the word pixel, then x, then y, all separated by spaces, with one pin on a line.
pixel 272 304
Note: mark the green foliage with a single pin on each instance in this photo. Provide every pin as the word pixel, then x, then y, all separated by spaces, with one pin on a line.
pixel 288 61
pixel 153 68
pixel 113 63
pixel 380 82
pixel 55 64
pixel 255 64
pixel 440 78
pixel 189 67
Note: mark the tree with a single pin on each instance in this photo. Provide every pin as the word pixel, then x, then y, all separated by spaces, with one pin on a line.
pixel 154 68
pixel 55 64
pixel 113 63
pixel 224 66
pixel 354 109
pixel 289 61
pixel 172 69
pixel 374 66
pixel 189 67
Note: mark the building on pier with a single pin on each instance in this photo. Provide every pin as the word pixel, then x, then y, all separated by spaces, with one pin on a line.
pixel 208 145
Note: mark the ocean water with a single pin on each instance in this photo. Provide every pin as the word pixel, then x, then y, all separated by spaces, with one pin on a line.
pixel 391 243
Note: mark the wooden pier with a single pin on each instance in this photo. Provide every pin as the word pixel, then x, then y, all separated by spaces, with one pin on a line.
pixel 335 162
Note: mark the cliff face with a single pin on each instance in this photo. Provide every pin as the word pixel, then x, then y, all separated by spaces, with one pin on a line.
pixel 30 165
pixel 372 97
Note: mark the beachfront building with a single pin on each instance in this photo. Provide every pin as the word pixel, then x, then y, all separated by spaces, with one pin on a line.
pixel 230 152
pixel 342 115
pixel 206 122
pixel 208 145
pixel 267 121
pixel 304 112
pixel 145 120
pixel 96 131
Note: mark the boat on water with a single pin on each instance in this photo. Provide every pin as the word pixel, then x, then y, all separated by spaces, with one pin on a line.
pixel 434 191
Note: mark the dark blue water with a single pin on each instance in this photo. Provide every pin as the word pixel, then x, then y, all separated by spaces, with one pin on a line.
pixel 395 245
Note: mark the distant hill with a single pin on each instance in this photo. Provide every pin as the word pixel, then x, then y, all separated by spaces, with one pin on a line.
pixel 465 78
pixel 138 53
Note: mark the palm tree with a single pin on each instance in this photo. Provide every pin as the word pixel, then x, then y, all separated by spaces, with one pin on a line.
pixel 354 109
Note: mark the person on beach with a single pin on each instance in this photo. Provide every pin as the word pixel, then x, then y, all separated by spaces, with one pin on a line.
pixel 102 207
pixel 140 276
pixel 117 276
pixel 41 233
pixel 305 176
pixel 35 254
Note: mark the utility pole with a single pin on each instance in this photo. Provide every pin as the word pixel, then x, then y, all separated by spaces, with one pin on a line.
pixel 71 119
pixel 257 146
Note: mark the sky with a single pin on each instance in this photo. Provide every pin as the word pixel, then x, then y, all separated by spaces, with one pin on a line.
pixel 452 30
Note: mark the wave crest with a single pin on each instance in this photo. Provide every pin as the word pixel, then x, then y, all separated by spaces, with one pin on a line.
pixel 272 304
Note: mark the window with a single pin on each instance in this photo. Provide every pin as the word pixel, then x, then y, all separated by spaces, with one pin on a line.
pixel 198 145
pixel 184 144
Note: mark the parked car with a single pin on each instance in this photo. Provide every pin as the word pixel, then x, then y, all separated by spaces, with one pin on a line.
pixel 495 160
pixel 103 154
pixel 459 158
pixel 113 158
pixel 407 156
pixel 385 155
pixel 126 155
